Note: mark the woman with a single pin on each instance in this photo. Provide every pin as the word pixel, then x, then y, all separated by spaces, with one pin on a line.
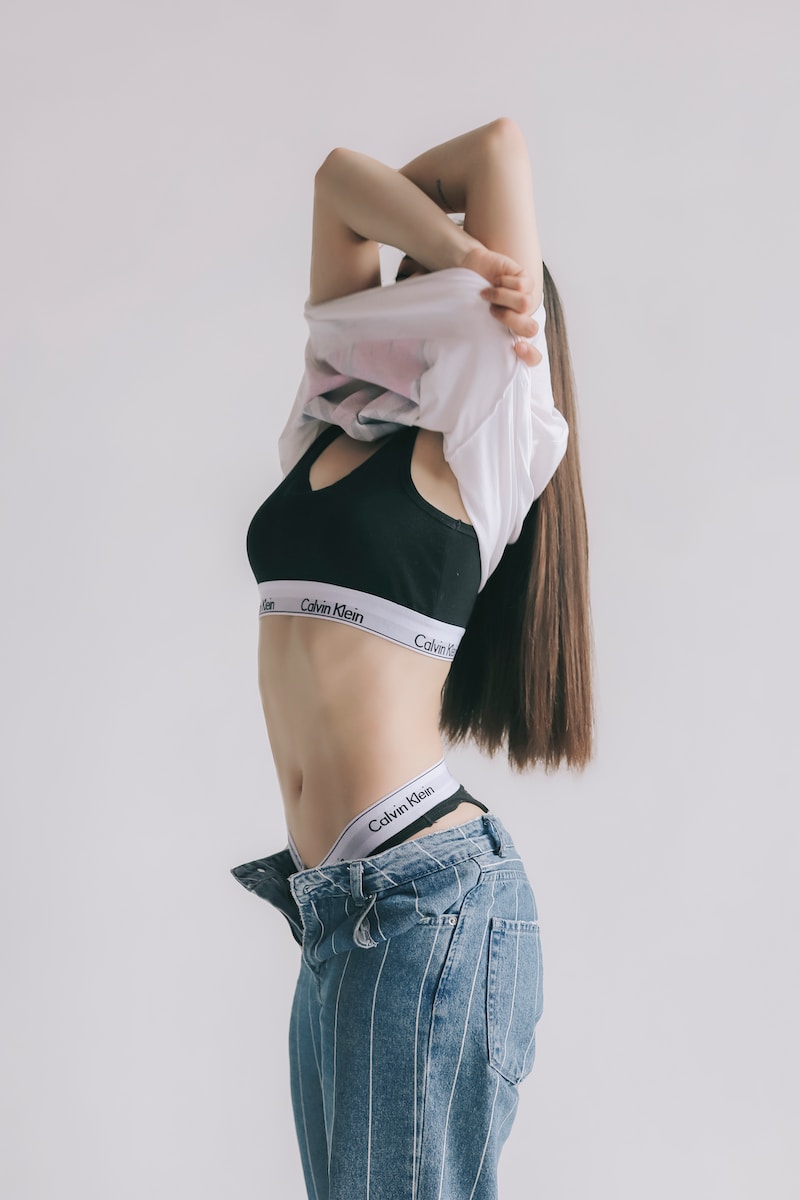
pixel 431 520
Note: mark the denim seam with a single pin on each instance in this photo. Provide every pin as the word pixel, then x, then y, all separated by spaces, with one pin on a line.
pixel 433 871
pixel 499 873
pixel 455 941
pixel 498 933
pixel 405 880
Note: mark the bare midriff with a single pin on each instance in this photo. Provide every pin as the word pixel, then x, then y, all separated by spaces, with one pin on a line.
pixel 351 717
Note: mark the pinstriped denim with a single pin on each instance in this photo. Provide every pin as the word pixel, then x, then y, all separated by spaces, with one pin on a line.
pixel 414 1016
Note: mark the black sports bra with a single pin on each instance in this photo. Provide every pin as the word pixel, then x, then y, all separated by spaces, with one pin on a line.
pixel 367 550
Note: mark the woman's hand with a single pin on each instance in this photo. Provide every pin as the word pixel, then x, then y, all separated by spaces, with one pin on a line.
pixel 510 296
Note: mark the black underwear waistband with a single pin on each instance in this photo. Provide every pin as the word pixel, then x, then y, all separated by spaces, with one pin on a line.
pixel 462 796
pixel 409 809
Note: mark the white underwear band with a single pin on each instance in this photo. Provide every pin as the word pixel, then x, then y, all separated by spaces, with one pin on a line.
pixel 362 609
pixel 388 816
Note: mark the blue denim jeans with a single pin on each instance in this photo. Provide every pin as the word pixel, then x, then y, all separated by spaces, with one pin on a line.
pixel 415 1011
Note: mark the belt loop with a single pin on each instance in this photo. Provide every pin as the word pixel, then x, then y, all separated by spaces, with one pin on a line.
pixel 497 833
pixel 356 882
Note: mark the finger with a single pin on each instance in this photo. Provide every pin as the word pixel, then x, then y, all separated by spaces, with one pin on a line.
pixel 518 322
pixel 516 301
pixel 512 283
pixel 505 264
pixel 528 353
pixel 518 282
pixel 505 298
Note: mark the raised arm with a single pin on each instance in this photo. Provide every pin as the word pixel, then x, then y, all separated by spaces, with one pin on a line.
pixel 359 202
pixel 486 175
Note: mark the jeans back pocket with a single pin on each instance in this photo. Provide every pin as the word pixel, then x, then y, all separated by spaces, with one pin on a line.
pixel 514 996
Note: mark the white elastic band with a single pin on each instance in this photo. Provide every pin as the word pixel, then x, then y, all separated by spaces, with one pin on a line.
pixel 387 816
pixel 363 610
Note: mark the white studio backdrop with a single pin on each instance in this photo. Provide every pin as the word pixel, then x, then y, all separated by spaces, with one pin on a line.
pixel 158 164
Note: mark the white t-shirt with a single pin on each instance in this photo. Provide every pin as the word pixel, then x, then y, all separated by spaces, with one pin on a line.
pixel 427 351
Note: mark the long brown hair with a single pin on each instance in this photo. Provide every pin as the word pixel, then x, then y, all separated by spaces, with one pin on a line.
pixel 522 675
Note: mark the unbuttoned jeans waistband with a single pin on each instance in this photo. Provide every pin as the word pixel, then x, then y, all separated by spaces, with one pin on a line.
pixel 276 879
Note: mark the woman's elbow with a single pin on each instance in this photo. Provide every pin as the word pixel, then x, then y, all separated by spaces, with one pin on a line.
pixel 332 163
pixel 505 133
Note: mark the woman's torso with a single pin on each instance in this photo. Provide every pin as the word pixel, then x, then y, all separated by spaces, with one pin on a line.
pixel 352 716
